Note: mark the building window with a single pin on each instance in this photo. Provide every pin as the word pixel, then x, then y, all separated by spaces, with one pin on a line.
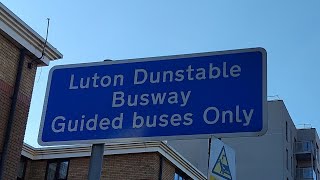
pixel 291 163
pixel 178 175
pixel 22 168
pixel 287 159
pixel 292 166
pixel 57 169
pixel 317 154
pixel 287 131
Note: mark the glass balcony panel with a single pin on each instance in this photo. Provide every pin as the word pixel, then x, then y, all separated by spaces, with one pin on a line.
pixel 305 174
pixel 303 147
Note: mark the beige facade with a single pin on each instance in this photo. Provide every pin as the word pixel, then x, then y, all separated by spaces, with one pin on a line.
pixel 283 153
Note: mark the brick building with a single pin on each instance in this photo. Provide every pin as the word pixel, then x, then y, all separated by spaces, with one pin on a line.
pixel 20 52
pixel 152 160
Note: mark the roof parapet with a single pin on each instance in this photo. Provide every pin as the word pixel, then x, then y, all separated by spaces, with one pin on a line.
pixel 25 36
pixel 304 126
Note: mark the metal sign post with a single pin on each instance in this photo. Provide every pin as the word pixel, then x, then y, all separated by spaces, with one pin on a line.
pixel 96 161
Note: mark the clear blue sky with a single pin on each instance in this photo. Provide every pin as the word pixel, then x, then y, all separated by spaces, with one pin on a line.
pixel 88 31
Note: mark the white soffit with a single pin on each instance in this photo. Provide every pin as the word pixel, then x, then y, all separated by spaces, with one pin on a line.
pixel 24 35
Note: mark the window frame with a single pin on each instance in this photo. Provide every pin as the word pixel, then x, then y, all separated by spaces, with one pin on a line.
pixel 25 160
pixel 59 162
pixel 181 175
pixel 287 159
pixel 287 131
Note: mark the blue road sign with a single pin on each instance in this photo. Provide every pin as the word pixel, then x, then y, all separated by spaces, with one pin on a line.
pixel 185 96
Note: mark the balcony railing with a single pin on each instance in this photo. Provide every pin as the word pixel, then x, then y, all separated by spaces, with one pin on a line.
pixel 303 147
pixel 305 174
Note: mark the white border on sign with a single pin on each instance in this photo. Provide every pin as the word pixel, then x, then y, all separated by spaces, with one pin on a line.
pixel 160 138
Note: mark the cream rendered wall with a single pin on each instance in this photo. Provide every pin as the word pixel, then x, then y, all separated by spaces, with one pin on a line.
pixel 257 158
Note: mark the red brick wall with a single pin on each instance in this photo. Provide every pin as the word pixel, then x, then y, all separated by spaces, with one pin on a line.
pixel 36 170
pixel 168 170
pixel 131 166
pixel 9 59
pixel 138 166
pixel 78 168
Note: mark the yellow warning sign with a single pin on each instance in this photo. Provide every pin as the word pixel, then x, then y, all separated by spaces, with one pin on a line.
pixel 221 167
pixel 213 178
